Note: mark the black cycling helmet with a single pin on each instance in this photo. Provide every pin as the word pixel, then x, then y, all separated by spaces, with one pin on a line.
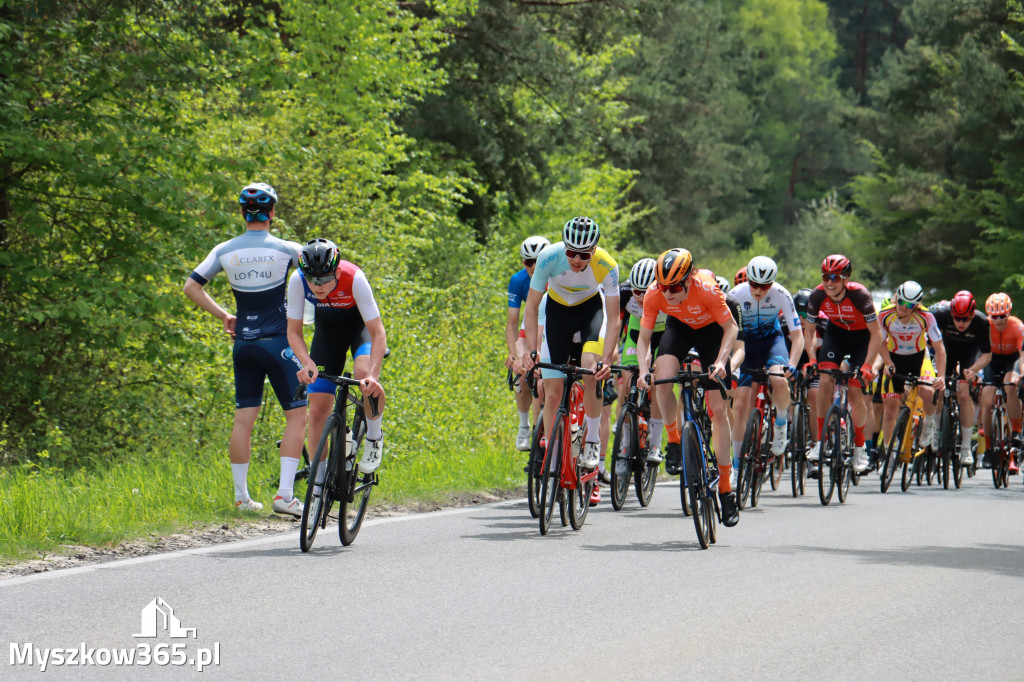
pixel 801 299
pixel 319 258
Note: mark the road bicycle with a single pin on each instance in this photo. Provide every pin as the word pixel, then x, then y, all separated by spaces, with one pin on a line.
pixel 905 447
pixel 698 483
pixel 799 431
pixel 1001 449
pixel 561 473
pixel 835 449
pixel 756 457
pixel 342 481
pixel 950 434
pixel 629 448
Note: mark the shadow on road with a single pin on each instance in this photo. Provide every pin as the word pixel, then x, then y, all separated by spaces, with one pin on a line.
pixel 999 559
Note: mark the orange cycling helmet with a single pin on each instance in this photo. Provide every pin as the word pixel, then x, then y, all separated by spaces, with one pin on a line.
pixel 741 276
pixel 673 267
pixel 962 304
pixel 998 304
pixel 836 264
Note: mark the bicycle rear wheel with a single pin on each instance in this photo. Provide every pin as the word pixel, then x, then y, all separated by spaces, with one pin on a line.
pixel 830 452
pixel 533 478
pixel 623 447
pixel 892 453
pixel 749 453
pixel 1000 446
pixel 314 512
pixel 693 475
pixel 945 444
pixel 357 490
pixel 551 474
pixel 798 451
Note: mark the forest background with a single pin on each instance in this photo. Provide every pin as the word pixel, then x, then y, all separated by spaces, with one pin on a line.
pixel 428 139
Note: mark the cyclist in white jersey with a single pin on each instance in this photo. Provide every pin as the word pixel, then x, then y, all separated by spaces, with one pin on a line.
pixel 573 271
pixel 761 301
pixel 256 265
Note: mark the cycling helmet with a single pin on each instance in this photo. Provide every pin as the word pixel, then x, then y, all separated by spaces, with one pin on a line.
pixel 532 246
pixel 256 200
pixel 319 258
pixel 998 304
pixel 761 270
pixel 909 292
pixel 673 266
pixel 836 264
pixel 740 277
pixel 723 284
pixel 642 274
pixel 962 304
pixel 580 234
pixel 801 299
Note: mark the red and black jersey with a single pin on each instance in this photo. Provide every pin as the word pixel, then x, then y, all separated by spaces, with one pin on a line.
pixel 855 311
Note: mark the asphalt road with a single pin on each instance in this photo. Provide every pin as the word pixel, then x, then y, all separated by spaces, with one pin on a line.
pixel 921 585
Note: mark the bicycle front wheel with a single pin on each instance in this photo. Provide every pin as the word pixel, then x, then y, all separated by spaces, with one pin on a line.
pixel 945 444
pixel 623 447
pixel 892 453
pixel 358 487
pixel 1000 446
pixel 644 482
pixel 551 474
pixel 533 477
pixel 798 450
pixel 830 454
pixel 318 502
pixel 693 474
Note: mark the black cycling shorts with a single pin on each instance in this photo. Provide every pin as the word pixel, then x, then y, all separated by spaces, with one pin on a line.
pixel 679 338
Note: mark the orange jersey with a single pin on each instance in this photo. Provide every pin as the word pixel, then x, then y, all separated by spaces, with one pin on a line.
pixel 704 304
pixel 1008 341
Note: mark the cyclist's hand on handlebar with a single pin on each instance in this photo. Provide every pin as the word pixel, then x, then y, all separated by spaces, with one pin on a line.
pixel 643 381
pixel 371 387
pixel 867 371
pixel 890 369
pixel 939 384
pixel 970 374
pixel 527 361
pixel 789 371
pixel 510 362
pixel 602 371
pixel 716 371
pixel 308 373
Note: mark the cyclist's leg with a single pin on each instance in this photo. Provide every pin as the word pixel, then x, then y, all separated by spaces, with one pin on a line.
pixel 742 404
pixel 281 367
pixel 1013 409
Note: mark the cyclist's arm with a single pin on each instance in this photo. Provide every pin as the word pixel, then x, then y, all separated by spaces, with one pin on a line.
pixel 979 364
pixel 511 335
pixel 611 334
pixel 643 350
pixel 195 291
pixel 810 336
pixel 796 337
pixel 940 360
pixel 739 354
pixel 532 309
pixel 875 343
pixel 730 330
pixel 298 345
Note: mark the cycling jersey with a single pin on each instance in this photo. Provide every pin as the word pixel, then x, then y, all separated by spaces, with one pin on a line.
pixel 518 289
pixel 761 319
pixel 1008 341
pixel 256 265
pixel 909 336
pixel 704 304
pixel 855 311
pixel 976 336
pixel 351 299
pixel 569 288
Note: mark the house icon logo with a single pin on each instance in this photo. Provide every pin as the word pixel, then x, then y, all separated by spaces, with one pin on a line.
pixel 158 616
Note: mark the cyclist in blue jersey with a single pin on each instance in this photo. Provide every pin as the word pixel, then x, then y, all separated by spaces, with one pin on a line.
pixel 518 291
pixel 256 265
pixel 762 301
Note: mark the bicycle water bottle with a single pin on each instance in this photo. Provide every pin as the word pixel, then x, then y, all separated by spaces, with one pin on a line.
pixel 349 443
pixel 642 431
pixel 575 429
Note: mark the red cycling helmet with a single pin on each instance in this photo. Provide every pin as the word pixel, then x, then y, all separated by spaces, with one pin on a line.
pixel 962 304
pixel 836 264
pixel 741 276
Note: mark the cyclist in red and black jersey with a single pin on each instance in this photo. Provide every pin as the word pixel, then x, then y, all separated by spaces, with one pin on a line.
pixel 852 331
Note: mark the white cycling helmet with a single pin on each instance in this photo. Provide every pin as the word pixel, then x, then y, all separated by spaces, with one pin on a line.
pixel 642 274
pixel 909 291
pixel 761 270
pixel 580 234
pixel 532 246
pixel 723 284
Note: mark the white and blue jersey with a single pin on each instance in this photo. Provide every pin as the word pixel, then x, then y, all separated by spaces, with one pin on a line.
pixel 256 265
pixel 518 289
pixel 760 319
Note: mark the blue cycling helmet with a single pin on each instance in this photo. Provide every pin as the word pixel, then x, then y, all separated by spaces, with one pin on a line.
pixel 256 200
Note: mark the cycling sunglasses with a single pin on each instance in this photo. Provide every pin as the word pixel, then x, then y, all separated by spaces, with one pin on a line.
pixel 906 304
pixel 529 262
pixel 998 317
pixel 961 319
pixel 830 277
pixel 672 288
pixel 579 255
pixel 639 292
pixel 759 287
pixel 320 281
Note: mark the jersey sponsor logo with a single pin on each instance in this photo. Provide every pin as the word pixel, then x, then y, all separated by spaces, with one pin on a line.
pixel 695 309
pixel 252 274
pixel 746 305
pixel 252 317
pixel 237 260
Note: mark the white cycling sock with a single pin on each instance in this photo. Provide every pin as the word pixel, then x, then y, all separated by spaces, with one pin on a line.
pixel 593 429
pixel 373 430
pixel 286 487
pixel 240 472
pixel 654 429
pixel 966 445
pixel 524 420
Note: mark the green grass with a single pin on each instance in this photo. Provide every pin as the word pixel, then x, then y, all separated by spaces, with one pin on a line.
pixel 42 509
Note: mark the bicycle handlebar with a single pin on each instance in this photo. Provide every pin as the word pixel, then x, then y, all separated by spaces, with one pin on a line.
pixel 689 375
pixel 300 392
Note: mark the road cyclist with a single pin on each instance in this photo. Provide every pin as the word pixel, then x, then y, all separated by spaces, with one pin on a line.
pixel 1006 334
pixel 518 292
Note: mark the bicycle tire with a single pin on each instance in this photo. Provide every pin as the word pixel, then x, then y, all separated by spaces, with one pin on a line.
pixel 623 446
pixel 997 447
pixel 694 483
pixel 316 507
pixel 892 453
pixel 749 452
pixel 579 496
pixel 829 449
pixel 945 444
pixel 760 470
pixel 846 473
pixel 359 486
pixel 533 464
pixel 798 448
pixel 551 473
pixel 644 482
